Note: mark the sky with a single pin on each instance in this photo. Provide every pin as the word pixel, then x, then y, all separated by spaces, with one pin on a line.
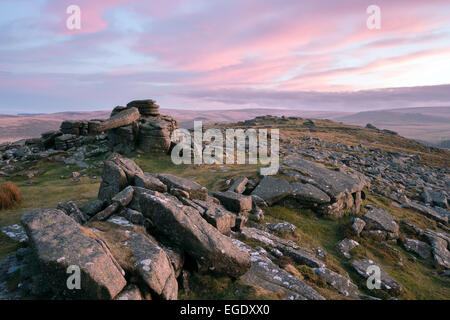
pixel 224 54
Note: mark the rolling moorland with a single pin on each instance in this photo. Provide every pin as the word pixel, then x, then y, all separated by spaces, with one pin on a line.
pixel 429 125
pixel 323 253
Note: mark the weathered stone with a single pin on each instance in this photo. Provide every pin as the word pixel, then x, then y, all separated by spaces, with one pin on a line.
pixel 343 189
pixel 15 232
pixel 378 219
pixel 124 197
pixel 118 173
pixel 59 243
pixel 420 248
pixel 71 209
pixel 305 192
pixel 130 292
pixel 195 190
pixel 265 274
pixel 272 190
pixel 440 244
pixel 281 227
pixel 387 283
pixel 93 207
pixel 238 186
pixel 347 245
pixel 133 216
pixel 150 182
pixel 358 226
pixel 105 214
pixel 233 201
pixel 185 227
pixel 153 265
pixel 288 248
pixel 426 211
pixel 121 119
pixel 215 214
pixel 146 107
pixel 342 284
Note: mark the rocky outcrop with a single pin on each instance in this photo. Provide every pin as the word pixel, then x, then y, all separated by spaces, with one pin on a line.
pixel 59 243
pixel 235 202
pixel 185 227
pixel 343 190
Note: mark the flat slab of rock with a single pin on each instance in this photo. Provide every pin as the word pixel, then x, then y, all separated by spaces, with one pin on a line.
pixel 234 202
pixel 185 227
pixel 342 284
pixel 59 242
pixel 272 190
pixel 330 181
pixel 195 190
pixel 286 247
pixel 426 211
pixel 420 248
pixel 121 119
pixel 215 214
pixel 153 266
pixel 306 192
pixel 265 274
pixel 387 283
pixel 281 227
pixel 124 197
pixel 149 181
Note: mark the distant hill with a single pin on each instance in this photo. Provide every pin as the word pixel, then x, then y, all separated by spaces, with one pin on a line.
pixel 431 125
pixel 426 124
pixel 18 127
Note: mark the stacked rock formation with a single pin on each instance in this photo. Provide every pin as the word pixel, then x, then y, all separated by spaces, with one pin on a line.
pixel 148 108
pixel 138 125
pixel 77 127
pixel 67 141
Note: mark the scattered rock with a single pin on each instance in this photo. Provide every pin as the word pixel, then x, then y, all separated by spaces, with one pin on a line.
pixel 347 245
pixel 387 283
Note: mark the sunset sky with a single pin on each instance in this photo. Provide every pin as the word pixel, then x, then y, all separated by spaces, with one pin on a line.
pixel 210 54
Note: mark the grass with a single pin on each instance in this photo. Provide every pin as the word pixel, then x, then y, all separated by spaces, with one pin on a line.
pixel 10 196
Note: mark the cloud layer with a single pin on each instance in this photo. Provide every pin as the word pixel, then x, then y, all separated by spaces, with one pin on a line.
pixel 313 54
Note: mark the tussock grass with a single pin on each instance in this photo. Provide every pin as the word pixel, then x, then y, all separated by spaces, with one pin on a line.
pixel 10 196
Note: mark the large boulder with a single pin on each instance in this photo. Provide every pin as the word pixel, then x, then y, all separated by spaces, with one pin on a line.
pixel 440 244
pixel 343 189
pixel 195 190
pixel 120 119
pixel 185 228
pixel 233 201
pixel 153 265
pixel 59 242
pixel 272 190
pixel 118 173
pixel 378 219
